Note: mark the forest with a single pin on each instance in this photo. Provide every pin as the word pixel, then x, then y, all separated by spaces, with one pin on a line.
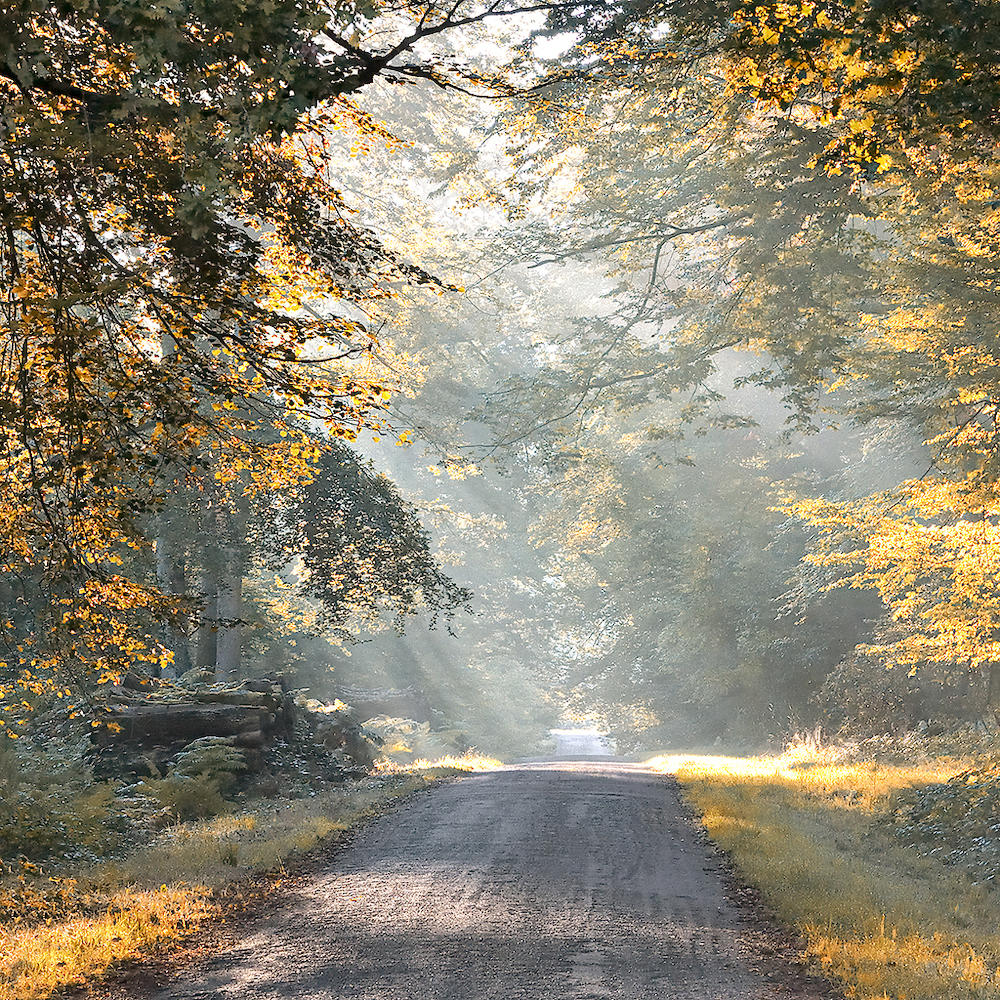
pixel 386 381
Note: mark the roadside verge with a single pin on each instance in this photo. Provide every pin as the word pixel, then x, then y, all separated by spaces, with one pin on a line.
pixel 819 839
pixel 63 932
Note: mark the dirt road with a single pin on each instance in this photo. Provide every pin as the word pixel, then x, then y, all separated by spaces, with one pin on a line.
pixel 575 880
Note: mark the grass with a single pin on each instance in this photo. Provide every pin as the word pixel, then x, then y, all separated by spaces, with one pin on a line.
pixel 38 960
pixel 58 933
pixel 812 833
pixel 440 766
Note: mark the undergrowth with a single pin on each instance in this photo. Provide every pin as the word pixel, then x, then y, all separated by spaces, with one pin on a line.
pixel 52 807
pixel 956 821
pixel 821 837
pixel 58 930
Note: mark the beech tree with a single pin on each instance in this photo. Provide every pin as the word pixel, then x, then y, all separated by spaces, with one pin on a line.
pixel 813 184
pixel 167 219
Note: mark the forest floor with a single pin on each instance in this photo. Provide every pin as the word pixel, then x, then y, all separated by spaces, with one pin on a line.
pixel 582 879
pixel 67 930
pixel 825 839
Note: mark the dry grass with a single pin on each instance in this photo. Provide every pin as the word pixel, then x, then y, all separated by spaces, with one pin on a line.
pixel 163 892
pixel 450 764
pixel 37 960
pixel 810 831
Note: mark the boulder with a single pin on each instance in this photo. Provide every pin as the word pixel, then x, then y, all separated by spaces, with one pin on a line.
pixel 340 731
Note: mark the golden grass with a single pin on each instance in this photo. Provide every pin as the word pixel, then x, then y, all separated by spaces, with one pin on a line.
pixel 440 766
pixel 35 961
pixel 810 832
pixel 164 891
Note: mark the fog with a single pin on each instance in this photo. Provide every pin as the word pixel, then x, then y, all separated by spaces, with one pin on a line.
pixel 594 394
pixel 620 533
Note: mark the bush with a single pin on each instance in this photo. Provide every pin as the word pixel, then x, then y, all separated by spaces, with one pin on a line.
pixel 196 783
pixel 864 699
pixel 48 806
pixel 212 757
pixel 187 797
pixel 405 739
pixel 956 821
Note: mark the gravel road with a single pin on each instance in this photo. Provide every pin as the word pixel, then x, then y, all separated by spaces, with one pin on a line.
pixel 574 879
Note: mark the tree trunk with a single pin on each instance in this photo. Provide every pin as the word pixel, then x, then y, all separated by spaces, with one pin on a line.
pixel 229 653
pixel 170 570
pixel 208 587
pixel 992 696
pixel 171 579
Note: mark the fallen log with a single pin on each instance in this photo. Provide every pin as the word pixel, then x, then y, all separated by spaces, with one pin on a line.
pixel 178 722
pixel 270 700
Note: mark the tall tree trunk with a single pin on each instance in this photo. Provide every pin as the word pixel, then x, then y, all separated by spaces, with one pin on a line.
pixel 171 579
pixel 170 569
pixel 182 639
pixel 228 657
pixel 207 640
pixel 991 714
pixel 229 653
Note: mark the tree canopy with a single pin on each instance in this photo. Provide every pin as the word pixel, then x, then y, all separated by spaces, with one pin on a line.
pixel 623 255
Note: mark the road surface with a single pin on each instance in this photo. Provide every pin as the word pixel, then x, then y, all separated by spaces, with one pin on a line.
pixel 580 742
pixel 574 880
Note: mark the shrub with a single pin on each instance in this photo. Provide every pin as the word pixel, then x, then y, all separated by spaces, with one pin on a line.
pixel 405 739
pixel 48 806
pixel 212 757
pixel 195 784
pixel 956 821
pixel 865 699
pixel 185 797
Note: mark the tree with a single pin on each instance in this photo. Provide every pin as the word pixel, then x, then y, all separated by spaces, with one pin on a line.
pixel 362 547
pixel 814 184
pixel 167 220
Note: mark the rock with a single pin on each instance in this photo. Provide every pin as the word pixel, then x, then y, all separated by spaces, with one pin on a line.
pixel 140 736
pixel 340 730
pixel 145 737
pixel 256 739
pixel 196 676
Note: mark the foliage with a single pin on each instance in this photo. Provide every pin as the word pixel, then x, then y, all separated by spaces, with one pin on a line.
pixel 447 766
pixel 932 561
pixel 61 931
pixel 407 739
pixel 750 207
pixel 362 546
pixel 149 323
pixel 215 757
pixel 185 291
pixel 813 185
pixel 862 697
pixel 194 785
pixel 956 821
pixel 49 807
pixel 40 959
pixel 880 78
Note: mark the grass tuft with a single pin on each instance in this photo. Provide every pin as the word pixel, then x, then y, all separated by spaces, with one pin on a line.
pixel 450 764
pixel 37 960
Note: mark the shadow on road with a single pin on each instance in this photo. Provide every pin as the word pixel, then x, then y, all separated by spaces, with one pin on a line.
pixel 560 879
